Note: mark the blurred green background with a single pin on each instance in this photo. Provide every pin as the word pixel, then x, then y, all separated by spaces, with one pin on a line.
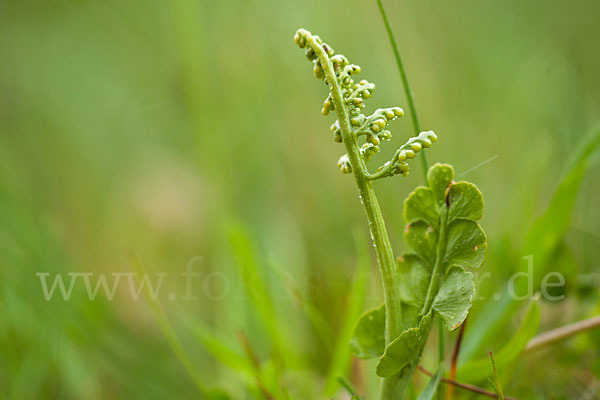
pixel 181 129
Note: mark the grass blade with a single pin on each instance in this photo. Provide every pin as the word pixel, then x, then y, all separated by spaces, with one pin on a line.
pixel 310 309
pixel 432 387
pixel 169 332
pixel 497 385
pixel 542 239
pixel 257 288
pixel 341 355
pixel 479 370
pixel 222 349
pixel 409 97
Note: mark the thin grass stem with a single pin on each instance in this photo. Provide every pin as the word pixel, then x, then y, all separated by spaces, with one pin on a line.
pixel 407 91
pixel 563 332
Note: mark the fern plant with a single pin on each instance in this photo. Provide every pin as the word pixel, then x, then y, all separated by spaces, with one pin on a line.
pixel 442 232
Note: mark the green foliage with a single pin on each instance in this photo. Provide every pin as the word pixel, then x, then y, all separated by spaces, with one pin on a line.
pixel 257 287
pixel 442 232
pixel 222 349
pixel 455 297
pixel 547 231
pixel 541 241
pixel 349 388
pixel 415 277
pixel 170 334
pixel 369 338
pixel 445 239
pixel 480 369
pixel 341 357
pixel 403 350
pixel 496 384
pixel 144 125
pixel 431 389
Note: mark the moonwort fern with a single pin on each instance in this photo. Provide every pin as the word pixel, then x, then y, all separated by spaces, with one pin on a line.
pixel 445 240
pixel 442 230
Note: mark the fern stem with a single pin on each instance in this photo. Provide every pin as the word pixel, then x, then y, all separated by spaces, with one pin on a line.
pixel 409 97
pixel 383 248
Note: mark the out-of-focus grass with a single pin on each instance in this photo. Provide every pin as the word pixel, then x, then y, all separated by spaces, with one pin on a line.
pixel 149 125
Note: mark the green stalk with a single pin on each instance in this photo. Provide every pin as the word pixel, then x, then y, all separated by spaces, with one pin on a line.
pixel 409 97
pixel 381 241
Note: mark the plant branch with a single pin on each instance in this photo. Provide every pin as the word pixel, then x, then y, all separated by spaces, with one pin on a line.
pixel 422 140
pixel 466 386
pixel 563 332
pixel 409 97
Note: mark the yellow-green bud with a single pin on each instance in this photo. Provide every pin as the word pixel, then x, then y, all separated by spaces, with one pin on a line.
pixel 402 156
pixel 398 111
pixel 426 142
pixel 375 128
pixel 380 123
pixel 337 136
pixel 334 127
pixel 416 147
pixel 386 135
pixel 405 173
pixel 409 153
pixel 389 114
pixel 344 164
pixel 357 101
pixel 300 37
pixel 368 150
pixel 373 139
pixel 339 61
pixel 366 94
pixel 433 137
pixel 318 71
pixel 363 82
pixel 355 121
pixel 327 106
